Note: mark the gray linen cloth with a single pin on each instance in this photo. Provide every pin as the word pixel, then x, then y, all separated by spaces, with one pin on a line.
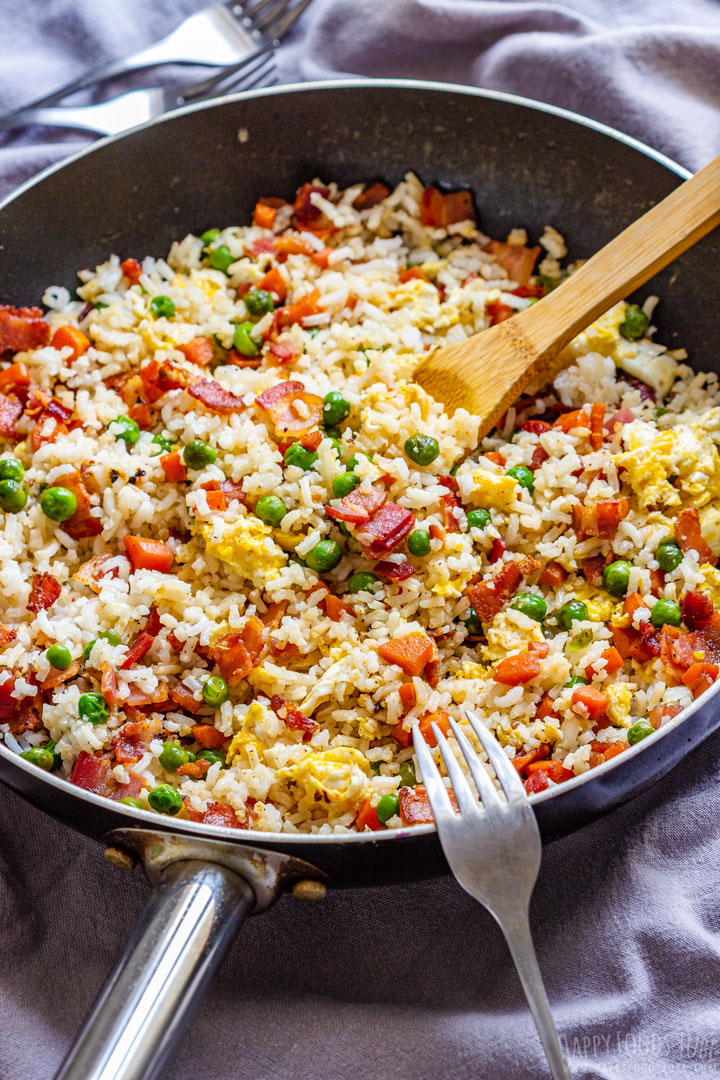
pixel 409 982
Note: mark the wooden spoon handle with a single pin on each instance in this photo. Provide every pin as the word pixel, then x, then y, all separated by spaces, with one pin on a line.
pixel 631 259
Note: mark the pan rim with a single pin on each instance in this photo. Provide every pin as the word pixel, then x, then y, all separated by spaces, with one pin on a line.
pixel 147 818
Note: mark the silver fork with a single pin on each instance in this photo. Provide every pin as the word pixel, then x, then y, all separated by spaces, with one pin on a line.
pixel 494 853
pixel 218 36
pixel 272 20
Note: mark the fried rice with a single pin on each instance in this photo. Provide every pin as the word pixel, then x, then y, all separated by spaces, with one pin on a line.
pixel 272 554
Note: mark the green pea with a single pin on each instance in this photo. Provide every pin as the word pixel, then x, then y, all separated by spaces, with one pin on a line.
pixel 215 691
pixel 58 657
pixel 259 301
pixel 579 641
pixel 58 504
pixel 335 408
pixel 197 454
pixel 162 307
pixel 165 799
pixel 271 509
pixel 343 484
pixel 330 431
pixel 472 624
pixel 375 767
pixel 126 430
pixel 106 635
pixel 639 731
pixel 11 469
pixel 524 477
pixel 387 808
pixel 220 258
pixel 363 581
pixel 93 707
pixel 634 324
pixel 669 554
pixel 616 577
pixel 478 519
pixel 418 542
pixel 665 611
pixel 243 342
pixel 324 556
pixel 13 495
pixel 548 283
pixel 661 411
pixel 129 801
pixel 422 449
pixel 209 235
pixel 407 774
pixel 355 461
pixel 572 611
pixel 173 755
pixel 297 455
pixel 576 680
pixel 212 756
pixel 164 444
pixel 39 756
pixel 531 605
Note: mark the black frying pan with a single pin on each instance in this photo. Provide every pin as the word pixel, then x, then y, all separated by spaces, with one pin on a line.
pixel 528 165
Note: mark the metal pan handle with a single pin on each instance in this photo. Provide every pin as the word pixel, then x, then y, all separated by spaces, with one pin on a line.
pixel 182 936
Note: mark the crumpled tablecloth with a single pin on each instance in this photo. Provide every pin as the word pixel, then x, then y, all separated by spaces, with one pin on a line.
pixel 407 983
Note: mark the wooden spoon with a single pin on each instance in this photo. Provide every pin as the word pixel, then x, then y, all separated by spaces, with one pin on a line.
pixel 487 372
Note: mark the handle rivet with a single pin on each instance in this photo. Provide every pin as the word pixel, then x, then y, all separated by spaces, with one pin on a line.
pixel 309 889
pixel 123 860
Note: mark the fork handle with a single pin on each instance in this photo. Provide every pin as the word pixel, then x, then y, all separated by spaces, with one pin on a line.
pixel 517 934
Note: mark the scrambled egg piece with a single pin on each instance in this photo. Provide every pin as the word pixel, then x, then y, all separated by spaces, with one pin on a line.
pixel 493 490
pixel 504 636
pixel 602 336
pixel 637 358
pixel 710 526
pixel 244 740
pixel 619 697
pixel 711 577
pixel 247 547
pixel 600 606
pixel 687 453
pixel 338 776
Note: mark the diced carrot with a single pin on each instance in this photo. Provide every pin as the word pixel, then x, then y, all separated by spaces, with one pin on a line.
pixel 553 770
pixel 147 554
pixel 415 805
pixel 208 736
pixel 591 699
pixel 408 697
pixel 274 282
pixel 597 426
pixel 411 653
pixel 546 708
pixel 553 575
pixel 575 419
pixel 300 310
pixel 517 670
pixel 632 603
pixel 198 351
pixel 613 662
pixel 174 467
pixel 141 414
pixel 320 258
pixel 496 457
pixel 195 769
pixel 663 712
pixel 264 216
pixel 412 273
pixel 440 718
pixel 132 270
pixel 367 817
pixel 70 337
pixel 522 761
pixel 310 440
pixel 402 736
pixel 183 697
pixel 699 677
pixel 612 750
pixel 336 608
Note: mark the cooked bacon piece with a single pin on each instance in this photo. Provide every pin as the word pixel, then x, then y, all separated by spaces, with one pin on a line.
pixel 592 700
pixel 597 429
pixel 498 311
pixel 92 774
pixel 8 704
pixel 521 761
pixel 44 591
pixel 159 379
pixel 299 310
pixel 58 677
pixel 94 570
pixel 7 634
pixel 195 769
pixel 292 410
pixel 367 817
pixel 134 738
pixel 438 210
pixel 275 283
pixel 663 712
pixel 198 351
pixel 553 575
pixel 221 493
pixel 568 421
pixel 539 457
pixel 143 642
pixel 536 427
pixel 631 644
pixel 132 270
pixel 10 412
pixel 529 291
pixel 283 352
pixel 679 651
pixel 619 419
pixel 600 518
pixel 689 536
pixel 697 610
pixel 215 398
pixel 488 596
pixel 415 805
pixel 184 698
pixel 236 359
pixel 449 505
pixel 83 523
pixel 262 246
pixel 311 439
pixel 699 677
pixel 359 506
pixel 411 653
pixel 173 467
pixel 386 529
pixel 371 196
pixel 237 653
pixel 145 553
pixel 208 736
pixel 552 770
pixel 218 814
pixel 131 789
pixel 142 415
pixel 395 571
pixel 50 424
pixel 593 566
pixel 139 699
pixel 293 718
pixel 497 550
pixel 408 697
pixel 108 684
pixel 309 216
pixel 519 261
pixel 15 380
pixel 22 328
